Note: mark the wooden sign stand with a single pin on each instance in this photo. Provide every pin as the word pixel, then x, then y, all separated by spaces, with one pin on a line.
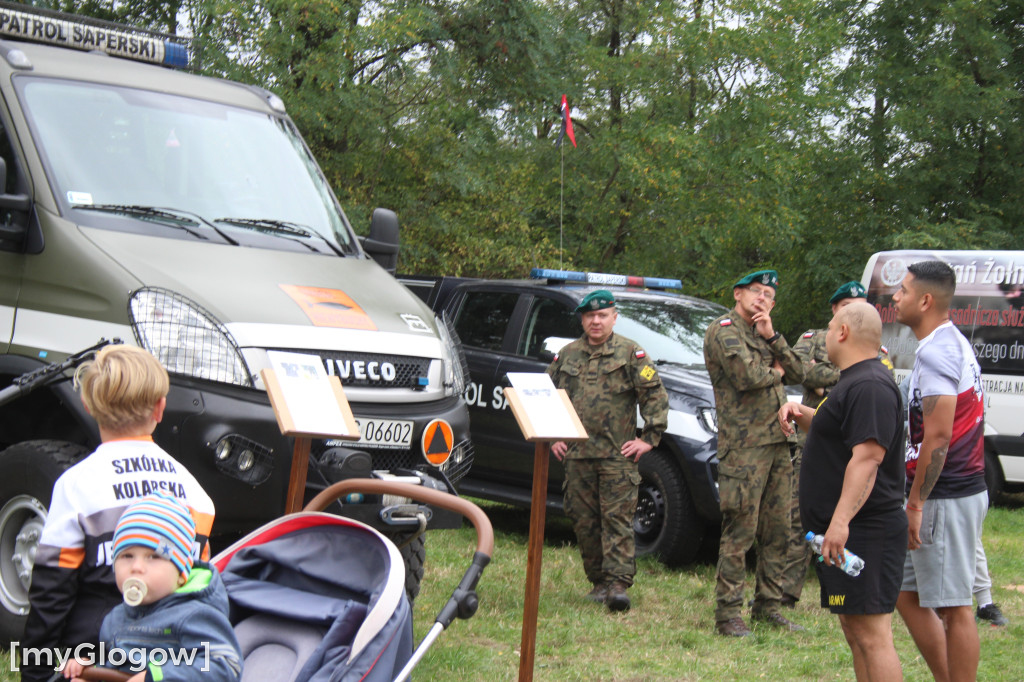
pixel 286 420
pixel 538 512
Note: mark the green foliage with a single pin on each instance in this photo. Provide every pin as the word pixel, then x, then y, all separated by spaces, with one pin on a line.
pixel 714 138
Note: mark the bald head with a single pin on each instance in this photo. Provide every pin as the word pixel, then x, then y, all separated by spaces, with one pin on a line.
pixel 854 334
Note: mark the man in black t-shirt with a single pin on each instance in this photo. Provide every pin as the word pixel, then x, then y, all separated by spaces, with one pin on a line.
pixel 851 488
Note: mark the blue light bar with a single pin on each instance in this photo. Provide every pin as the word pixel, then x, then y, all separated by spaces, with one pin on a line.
pixel 560 275
pixel 83 33
pixel 605 278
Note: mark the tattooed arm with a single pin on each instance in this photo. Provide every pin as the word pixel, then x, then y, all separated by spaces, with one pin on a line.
pixel 937 412
pixel 858 483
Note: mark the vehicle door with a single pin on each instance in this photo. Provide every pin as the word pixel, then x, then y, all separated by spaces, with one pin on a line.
pixel 13 224
pixel 482 319
pixel 549 323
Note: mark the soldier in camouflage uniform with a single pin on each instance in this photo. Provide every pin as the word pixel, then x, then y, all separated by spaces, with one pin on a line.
pixel 748 360
pixel 819 376
pixel 606 377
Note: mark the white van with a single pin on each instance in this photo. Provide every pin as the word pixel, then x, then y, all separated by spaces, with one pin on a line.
pixel 989 309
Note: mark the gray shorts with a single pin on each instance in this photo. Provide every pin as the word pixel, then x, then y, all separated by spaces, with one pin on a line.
pixel 941 570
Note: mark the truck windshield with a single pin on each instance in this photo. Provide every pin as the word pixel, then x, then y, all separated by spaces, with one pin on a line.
pixel 116 152
pixel 669 330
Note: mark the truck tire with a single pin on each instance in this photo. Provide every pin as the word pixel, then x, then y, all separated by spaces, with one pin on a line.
pixel 414 554
pixel 993 477
pixel 28 471
pixel 666 524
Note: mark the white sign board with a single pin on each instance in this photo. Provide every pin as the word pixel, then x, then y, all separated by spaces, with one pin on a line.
pixel 311 401
pixel 544 407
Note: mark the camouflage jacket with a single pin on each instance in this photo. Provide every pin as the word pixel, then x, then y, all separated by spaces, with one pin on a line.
pixel 605 385
pixel 748 393
pixel 820 375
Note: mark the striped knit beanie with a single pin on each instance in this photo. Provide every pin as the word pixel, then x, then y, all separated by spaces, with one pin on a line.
pixel 162 524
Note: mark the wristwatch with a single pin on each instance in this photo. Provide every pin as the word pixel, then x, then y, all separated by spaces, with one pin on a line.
pixel 774 337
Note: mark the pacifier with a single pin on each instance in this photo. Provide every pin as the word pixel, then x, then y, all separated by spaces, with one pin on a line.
pixel 134 590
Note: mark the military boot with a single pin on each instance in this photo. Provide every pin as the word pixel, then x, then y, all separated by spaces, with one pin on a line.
pixel 599 594
pixel 617 599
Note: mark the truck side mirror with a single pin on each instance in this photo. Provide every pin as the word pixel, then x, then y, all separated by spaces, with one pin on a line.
pixel 382 243
pixel 13 209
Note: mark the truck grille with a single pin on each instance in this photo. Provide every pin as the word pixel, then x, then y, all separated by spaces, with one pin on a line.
pixel 375 370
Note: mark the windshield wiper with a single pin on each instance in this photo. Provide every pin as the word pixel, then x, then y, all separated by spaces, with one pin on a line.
pixel 182 220
pixel 684 365
pixel 282 228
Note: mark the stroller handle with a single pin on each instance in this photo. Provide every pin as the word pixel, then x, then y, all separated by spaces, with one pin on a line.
pixel 459 505
pixel 95 673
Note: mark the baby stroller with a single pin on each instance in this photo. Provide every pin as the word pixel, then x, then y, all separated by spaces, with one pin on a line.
pixel 317 597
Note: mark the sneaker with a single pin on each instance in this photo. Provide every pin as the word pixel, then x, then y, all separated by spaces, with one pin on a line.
pixel 992 614
pixel 734 627
pixel 617 599
pixel 599 594
pixel 777 620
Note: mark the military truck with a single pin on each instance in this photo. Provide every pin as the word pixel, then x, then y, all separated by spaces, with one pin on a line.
pixel 519 325
pixel 186 215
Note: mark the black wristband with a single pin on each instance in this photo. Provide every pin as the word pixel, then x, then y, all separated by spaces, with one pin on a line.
pixel 774 337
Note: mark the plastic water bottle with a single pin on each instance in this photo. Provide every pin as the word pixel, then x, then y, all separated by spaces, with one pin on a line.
pixel 852 564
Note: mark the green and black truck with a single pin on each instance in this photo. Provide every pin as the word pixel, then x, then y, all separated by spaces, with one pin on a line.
pixel 185 214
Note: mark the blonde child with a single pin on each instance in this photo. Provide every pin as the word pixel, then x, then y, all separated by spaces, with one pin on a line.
pixel 124 388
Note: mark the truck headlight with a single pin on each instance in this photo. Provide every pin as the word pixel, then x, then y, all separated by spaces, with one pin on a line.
pixel 453 371
pixel 186 338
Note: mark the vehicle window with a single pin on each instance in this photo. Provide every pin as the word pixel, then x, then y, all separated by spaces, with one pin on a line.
pixel 550 325
pixel 669 330
pixel 246 171
pixel 484 317
pixel 11 162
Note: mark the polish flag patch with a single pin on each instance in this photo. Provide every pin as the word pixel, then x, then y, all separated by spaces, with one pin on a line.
pixel 640 355
pixel 725 323
pixel 808 335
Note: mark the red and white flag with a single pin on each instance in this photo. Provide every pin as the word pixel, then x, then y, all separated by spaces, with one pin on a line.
pixel 566 125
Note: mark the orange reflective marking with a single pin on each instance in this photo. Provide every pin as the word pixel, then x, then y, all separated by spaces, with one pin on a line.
pixel 329 307
pixel 437 442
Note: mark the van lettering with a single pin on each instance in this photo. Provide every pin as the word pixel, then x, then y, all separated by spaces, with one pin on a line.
pixel 474 395
pixel 498 401
pixel 371 370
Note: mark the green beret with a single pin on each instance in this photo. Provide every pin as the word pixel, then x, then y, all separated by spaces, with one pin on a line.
pixel 596 300
pixel 767 277
pixel 848 290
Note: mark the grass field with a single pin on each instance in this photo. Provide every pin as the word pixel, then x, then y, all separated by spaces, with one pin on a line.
pixel 668 635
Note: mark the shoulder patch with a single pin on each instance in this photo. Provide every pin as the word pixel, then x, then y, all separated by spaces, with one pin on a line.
pixel 808 335
pixel 726 322
pixel 647 373
pixel 731 342
pixel 555 358
pixel 640 354
pixel 883 349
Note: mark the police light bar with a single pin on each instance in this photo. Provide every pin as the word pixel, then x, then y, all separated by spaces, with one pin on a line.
pixel 83 33
pixel 605 278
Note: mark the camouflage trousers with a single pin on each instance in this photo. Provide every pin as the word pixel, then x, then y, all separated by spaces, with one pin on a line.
pixel 600 499
pixel 798 553
pixel 755 487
